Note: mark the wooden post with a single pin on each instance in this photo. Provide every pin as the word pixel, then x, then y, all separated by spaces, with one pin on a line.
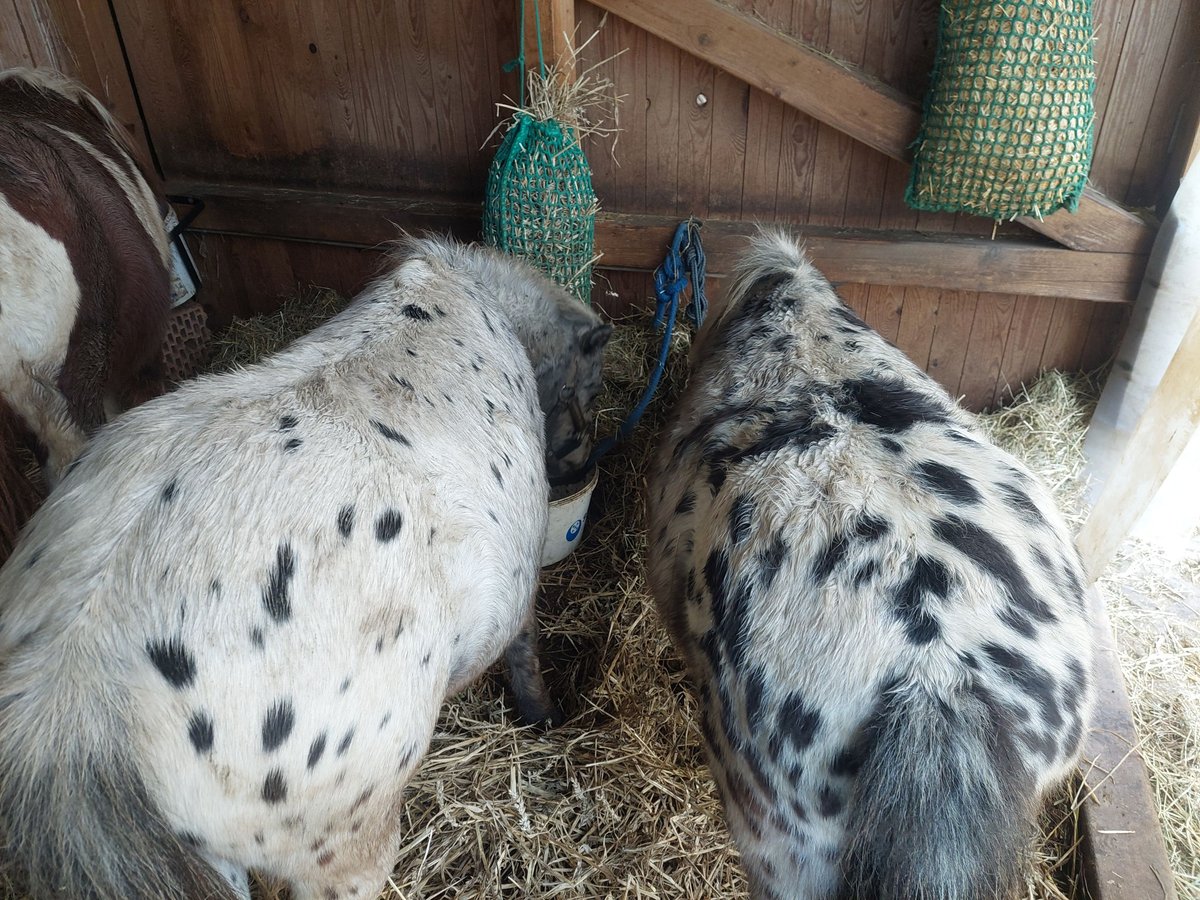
pixel 557 30
pixel 1157 441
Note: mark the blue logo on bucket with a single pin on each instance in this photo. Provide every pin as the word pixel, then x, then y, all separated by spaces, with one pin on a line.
pixel 573 531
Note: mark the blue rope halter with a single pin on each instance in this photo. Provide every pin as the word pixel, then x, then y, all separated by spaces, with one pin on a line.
pixel 684 262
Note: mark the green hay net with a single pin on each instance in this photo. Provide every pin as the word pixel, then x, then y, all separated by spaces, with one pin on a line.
pixel 1007 127
pixel 539 204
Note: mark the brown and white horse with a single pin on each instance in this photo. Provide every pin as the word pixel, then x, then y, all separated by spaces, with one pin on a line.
pixel 84 287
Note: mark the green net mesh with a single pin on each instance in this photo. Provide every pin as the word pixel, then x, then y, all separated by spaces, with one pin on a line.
pixel 1007 128
pixel 539 204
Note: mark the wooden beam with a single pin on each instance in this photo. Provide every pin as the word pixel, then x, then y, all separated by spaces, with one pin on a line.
pixel 1155 445
pixel 557 30
pixel 845 98
pixel 1123 851
pixel 88 48
pixel 949 262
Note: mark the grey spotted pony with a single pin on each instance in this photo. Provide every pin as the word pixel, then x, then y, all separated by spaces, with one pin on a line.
pixel 881 611
pixel 226 637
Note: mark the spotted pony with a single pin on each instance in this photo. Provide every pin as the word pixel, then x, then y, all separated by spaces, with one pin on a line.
pixel 882 612
pixel 226 637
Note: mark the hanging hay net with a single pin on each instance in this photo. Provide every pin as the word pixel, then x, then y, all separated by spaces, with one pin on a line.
pixel 539 203
pixel 1007 128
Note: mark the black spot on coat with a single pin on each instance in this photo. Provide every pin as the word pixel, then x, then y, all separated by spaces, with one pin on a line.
pixel 740 518
pixel 345 520
pixel 828 559
pixel 891 405
pixel 1021 503
pixel 415 312
pixel 274 789
pixel 287 423
pixel 948 482
pixel 316 750
pixel 870 528
pixel 173 661
pixel 390 433
pixel 994 558
pixel 770 560
pixel 929 578
pixel 277 725
pixel 798 722
pixel 292 444
pixel 388 525
pixel 168 492
pixel 275 597
pixel 200 731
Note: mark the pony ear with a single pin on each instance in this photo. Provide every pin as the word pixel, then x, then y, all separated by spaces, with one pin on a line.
pixel 593 339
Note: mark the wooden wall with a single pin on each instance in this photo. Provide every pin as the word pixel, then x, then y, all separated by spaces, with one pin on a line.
pixel 398 97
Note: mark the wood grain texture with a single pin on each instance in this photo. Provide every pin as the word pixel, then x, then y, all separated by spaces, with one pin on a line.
pixel 1123 851
pixel 638 241
pixel 1162 432
pixel 846 98
pixel 358 98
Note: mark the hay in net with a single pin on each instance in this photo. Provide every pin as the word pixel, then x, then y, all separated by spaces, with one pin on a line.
pixel 539 203
pixel 1007 126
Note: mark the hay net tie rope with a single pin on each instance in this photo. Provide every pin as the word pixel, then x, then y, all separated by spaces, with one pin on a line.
pixel 684 264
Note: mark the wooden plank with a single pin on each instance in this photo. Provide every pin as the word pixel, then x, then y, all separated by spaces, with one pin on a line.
pixel 1168 107
pixel 917 322
pixel 985 350
pixel 833 150
pixel 951 334
pixel 846 98
pixel 1164 429
pixel 1024 347
pixel 1110 19
pixel 764 153
pixel 782 67
pixel 855 297
pixel 796 184
pixel 1185 136
pixel 662 127
pixel 88 48
pixel 730 111
pixel 697 85
pixel 638 241
pixel 557 21
pixel 958 263
pixel 1067 335
pixel 14 47
pixel 1109 321
pixel 885 306
pixel 1123 850
pixel 1120 134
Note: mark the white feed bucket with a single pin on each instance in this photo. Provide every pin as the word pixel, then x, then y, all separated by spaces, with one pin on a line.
pixel 568 517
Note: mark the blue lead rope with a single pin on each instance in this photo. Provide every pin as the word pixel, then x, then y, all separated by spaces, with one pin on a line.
pixel 684 262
